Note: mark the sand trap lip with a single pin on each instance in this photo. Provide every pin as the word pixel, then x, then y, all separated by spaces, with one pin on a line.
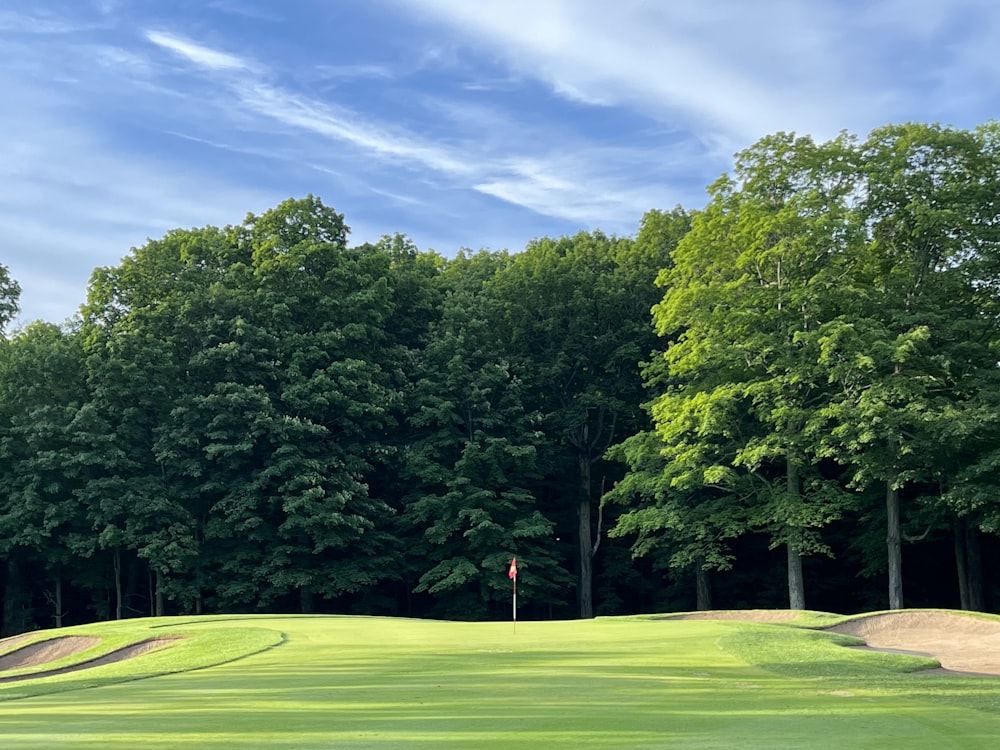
pixel 750 615
pixel 112 657
pixel 961 643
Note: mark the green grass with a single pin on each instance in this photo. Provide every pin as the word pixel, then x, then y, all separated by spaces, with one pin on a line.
pixel 357 682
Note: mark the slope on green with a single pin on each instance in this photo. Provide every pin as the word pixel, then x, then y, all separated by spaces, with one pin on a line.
pixel 360 682
pixel 182 651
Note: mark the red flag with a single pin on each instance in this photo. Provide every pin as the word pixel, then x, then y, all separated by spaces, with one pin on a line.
pixel 512 573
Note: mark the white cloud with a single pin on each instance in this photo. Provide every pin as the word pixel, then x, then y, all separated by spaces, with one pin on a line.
pixel 625 53
pixel 256 95
pixel 198 54
pixel 594 185
pixel 580 185
pixel 730 70
pixel 494 121
pixel 333 122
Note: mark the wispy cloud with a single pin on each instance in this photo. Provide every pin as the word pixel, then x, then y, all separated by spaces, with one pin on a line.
pixel 579 185
pixel 246 10
pixel 71 201
pixel 650 57
pixel 736 70
pixel 459 123
pixel 334 122
pixel 198 54
pixel 255 94
pixel 573 187
pixel 37 22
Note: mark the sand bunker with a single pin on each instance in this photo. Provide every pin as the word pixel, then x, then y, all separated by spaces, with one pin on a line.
pixel 961 643
pixel 45 651
pixel 36 654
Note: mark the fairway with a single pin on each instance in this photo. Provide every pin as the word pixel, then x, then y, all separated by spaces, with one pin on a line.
pixel 359 682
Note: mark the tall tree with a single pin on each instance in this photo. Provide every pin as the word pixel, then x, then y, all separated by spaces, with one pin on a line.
pixel 674 516
pixel 474 461
pixel 575 313
pixel 914 351
pixel 311 350
pixel 142 320
pixel 41 388
pixel 750 287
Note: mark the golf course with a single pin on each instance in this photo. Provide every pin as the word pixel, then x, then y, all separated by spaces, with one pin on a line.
pixel 715 680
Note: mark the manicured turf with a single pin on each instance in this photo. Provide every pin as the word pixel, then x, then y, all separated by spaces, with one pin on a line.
pixel 345 682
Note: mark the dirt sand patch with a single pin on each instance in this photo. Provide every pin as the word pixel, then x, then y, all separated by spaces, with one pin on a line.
pixel 961 643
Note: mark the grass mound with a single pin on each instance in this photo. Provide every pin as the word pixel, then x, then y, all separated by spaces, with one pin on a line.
pixel 102 654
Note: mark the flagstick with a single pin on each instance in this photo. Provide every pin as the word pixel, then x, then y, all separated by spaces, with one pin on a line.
pixel 515 604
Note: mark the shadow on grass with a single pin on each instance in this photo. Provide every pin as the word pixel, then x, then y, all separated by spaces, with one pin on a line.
pixel 542 699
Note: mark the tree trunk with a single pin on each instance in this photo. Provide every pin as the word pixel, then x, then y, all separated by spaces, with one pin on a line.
pixel 117 562
pixel 306 601
pixel 159 594
pixel 585 581
pixel 893 543
pixel 961 557
pixel 703 588
pixel 59 606
pixel 796 584
pixel 974 567
pixel 13 616
pixel 796 587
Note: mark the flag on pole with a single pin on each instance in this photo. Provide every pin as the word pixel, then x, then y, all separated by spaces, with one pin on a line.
pixel 512 575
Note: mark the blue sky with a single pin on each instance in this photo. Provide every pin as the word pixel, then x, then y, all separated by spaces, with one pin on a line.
pixel 461 123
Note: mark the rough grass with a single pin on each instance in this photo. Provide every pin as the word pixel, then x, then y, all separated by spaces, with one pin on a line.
pixel 357 682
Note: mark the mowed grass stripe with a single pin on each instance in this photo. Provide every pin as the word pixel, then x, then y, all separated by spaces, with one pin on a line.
pixel 341 682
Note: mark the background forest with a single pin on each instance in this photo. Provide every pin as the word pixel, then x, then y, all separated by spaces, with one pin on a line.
pixel 787 398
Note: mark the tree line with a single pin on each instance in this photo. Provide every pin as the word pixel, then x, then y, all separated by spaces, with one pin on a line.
pixel 757 403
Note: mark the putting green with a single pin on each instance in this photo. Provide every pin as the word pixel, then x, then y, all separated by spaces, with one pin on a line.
pixel 357 682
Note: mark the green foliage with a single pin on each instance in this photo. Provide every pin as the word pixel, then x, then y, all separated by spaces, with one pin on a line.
pixel 470 507
pixel 574 313
pixel 10 292
pixel 262 417
pixel 825 331
pixel 746 292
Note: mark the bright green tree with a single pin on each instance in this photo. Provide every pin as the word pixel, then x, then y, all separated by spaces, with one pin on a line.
pixel 749 288
pixel 912 354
